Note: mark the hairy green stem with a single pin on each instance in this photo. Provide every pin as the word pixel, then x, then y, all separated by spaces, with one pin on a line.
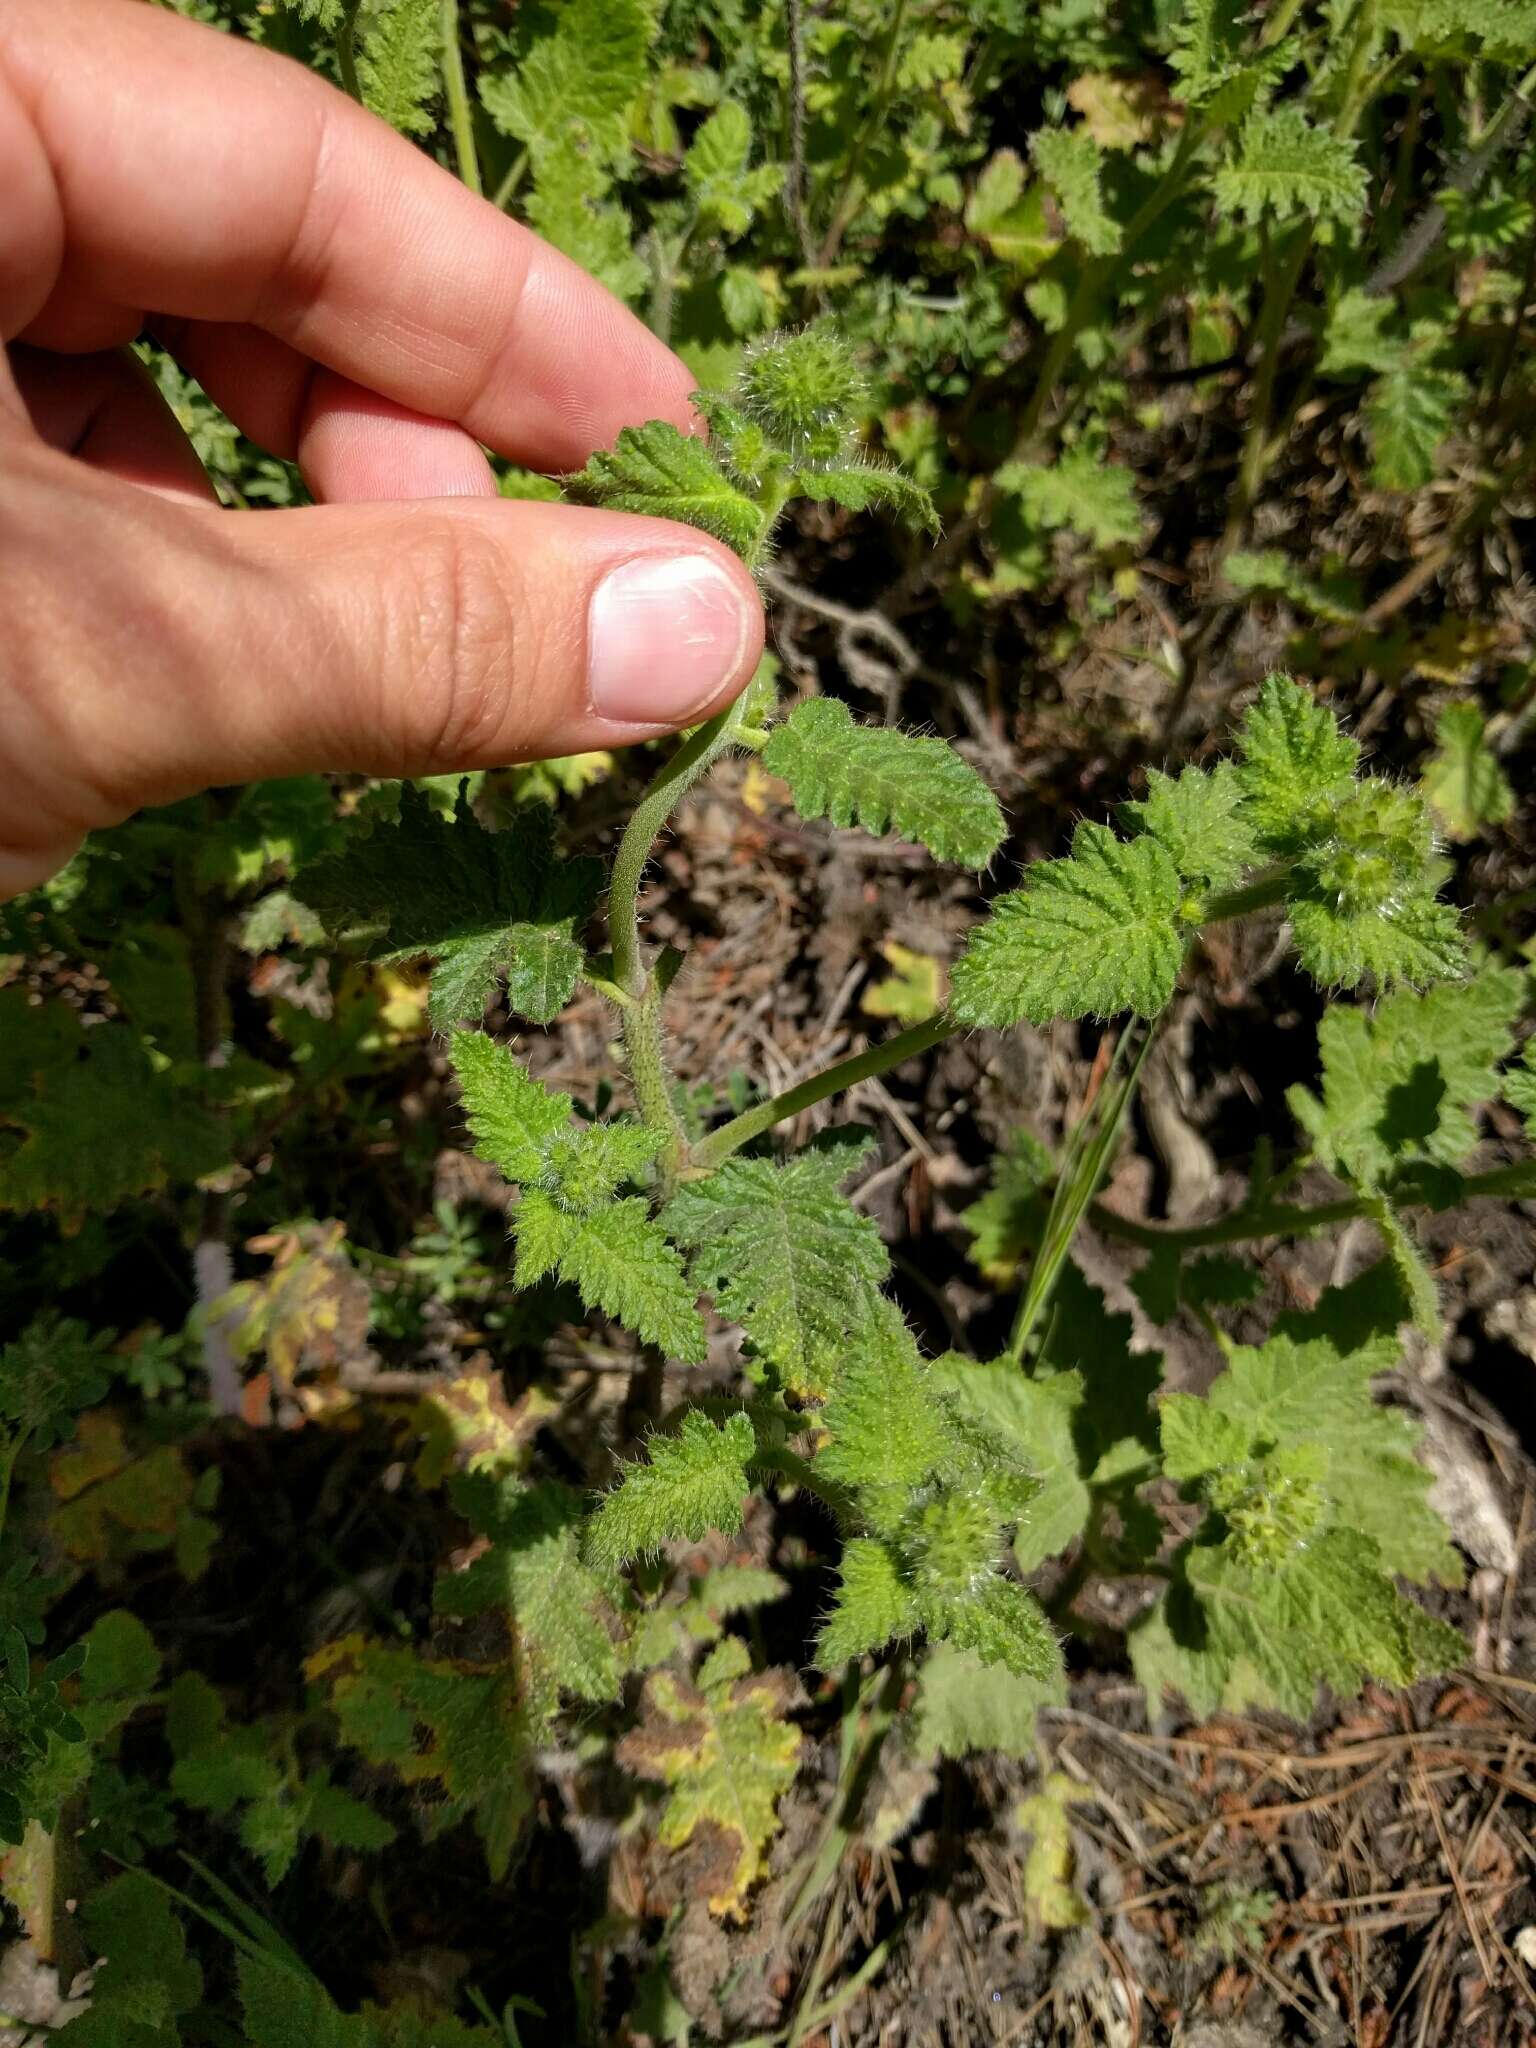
pixel 645 1057
pixel 461 117
pixel 664 793
pixel 714 1150
pixel 1262 894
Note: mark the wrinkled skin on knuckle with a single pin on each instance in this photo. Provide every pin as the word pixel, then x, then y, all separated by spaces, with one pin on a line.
pixel 466 645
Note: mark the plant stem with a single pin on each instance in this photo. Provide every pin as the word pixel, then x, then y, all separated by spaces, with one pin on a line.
pixel 860 1066
pixel 645 1058
pixel 1289 1219
pixel 794 175
pixel 461 117
pixel 8 1458
pixel 507 190
pixel 346 50
pixel 1259 895
pixel 665 792
pixel 851 192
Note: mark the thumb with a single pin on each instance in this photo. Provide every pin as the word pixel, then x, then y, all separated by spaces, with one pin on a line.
pixel 160 647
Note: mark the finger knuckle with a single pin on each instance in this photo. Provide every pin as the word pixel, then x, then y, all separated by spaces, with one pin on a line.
pixel 470 635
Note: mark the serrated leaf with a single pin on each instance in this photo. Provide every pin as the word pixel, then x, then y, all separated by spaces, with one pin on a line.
pixel 397 63
pixel 863 485
pixel 912 992
pixel 1079 492
pixel 874 1604
pixel 556 1607
pixel 471 1731
pixel 579 81
pixel 965 1707
pixel 785 1254
pixel 147 1980
pixel 48 1375
pixel 1317 1392
pixel 1002 1625
pixel 1462 778
pixel 1237 1635
pixel 1399 1082
pixel 513 1119
pixel 1200 817
pixel 658 471
pixel 1410 413
pixel 1519 1087
pixel 1334 596
pixel 619 1261
pixel 724 1750
pixel 716 170
pixel 1296 764
pixel 1286 169
pixel 690 1485
pixel 1006 1221
pixel 1092 935
pixel 884 781
pixel 482 905
pixel 1070 161
pixel 572 205
pixel 1356 336
pixel 64 1090
pixel 1039 1419
pixel 1417 941
pixel 885 1425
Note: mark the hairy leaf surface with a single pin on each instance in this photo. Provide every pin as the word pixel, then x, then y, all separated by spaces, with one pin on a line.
pixel 885 781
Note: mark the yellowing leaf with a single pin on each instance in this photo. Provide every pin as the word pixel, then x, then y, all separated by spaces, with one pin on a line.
pixel 913 991
pixel 725 1750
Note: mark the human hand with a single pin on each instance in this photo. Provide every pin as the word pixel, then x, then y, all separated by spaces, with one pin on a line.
pixel 352 308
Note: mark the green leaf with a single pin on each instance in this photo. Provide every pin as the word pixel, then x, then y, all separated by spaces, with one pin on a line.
pixel 397 63
pixel 1356 336
pixel 1286 169
pixel 863 485
pixel 619 1261
pixel 147 1980
pixel 1462 778
pixel 691 1484
pixel 1092 935
pixel 1519 1087
pixel 342 1821
pixel 572 206
pixel 1237 1634
pixel 1415 941
pixel 1296 764
pixel 965 1707
pixel 1070 160
pixel 1334 596
pixel 1010 221
pixel 63 1089
pixel 874 1604
pixel 1410 413
pixel 482 904
pixel 724 1750
pixel 1079 491
pixel 1006 1221
pixel 578 83
pixel 557 1608
pixel 122 1668
pixel 1317 1392
pixel 1040 1419
pixel 658 471
pixel 52 1371
pixel 885 1426
pixel 1400 1082
pixel 785 1254
pixel 726 192
pixel 513 1119
pixel 884 781
pixel 1200 817
pixel 1001 1624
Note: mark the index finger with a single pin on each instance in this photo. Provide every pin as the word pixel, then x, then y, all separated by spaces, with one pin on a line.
pixel 158 166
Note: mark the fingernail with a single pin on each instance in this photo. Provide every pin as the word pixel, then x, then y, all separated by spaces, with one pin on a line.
pixel 664 634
